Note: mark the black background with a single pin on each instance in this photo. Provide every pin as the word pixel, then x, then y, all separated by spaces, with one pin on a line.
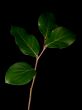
pixel 58 81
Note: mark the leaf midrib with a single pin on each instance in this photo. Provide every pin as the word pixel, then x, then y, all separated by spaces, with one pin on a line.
pixel 28 45
pixel 54 41
pixel 26 71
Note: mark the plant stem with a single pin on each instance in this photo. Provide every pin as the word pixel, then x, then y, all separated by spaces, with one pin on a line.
pixel 31 88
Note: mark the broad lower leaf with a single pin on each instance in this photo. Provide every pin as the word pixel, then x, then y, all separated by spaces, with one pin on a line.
pixel 28 44
pixel 46 23
pixel 60 38
pixel 19 74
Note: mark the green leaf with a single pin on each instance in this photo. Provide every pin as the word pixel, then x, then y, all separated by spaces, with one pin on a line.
pixel 60 38
pixel 28 44
pixel 19 74
pixel 46 23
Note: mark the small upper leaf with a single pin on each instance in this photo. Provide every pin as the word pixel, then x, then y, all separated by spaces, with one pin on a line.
pixel 46 23
pixel 19 74
pixel 28 44
pixel 60 38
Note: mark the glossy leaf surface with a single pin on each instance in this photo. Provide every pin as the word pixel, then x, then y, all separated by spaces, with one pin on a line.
pixel 60 38
pixel 28 44
pixel 19 74
pixel 46 23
